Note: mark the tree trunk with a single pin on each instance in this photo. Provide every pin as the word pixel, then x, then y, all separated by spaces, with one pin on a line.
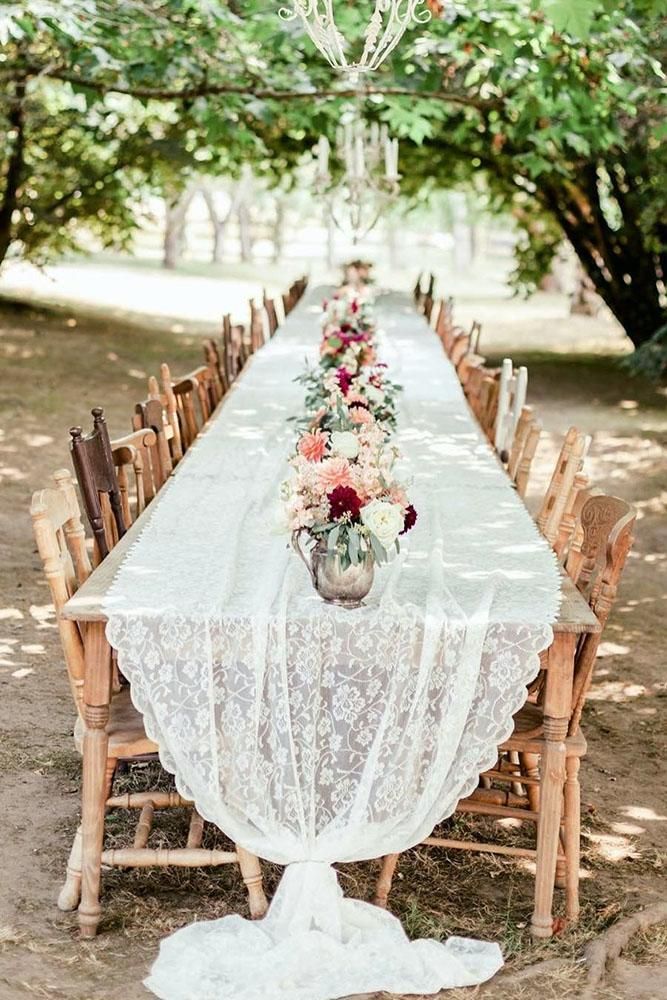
pixel 174 230
pixel 245 233
pixel 278 230
pixel 218 225
pixel 10 194
pixel 618 261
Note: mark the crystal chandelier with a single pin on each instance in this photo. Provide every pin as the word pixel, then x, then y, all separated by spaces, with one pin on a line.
pixel 385 29
pixel 370 179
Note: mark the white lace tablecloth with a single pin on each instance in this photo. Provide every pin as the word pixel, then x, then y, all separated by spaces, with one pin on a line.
pixel 312 734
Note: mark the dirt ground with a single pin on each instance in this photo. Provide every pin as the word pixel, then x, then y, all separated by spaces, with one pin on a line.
pixel 53 368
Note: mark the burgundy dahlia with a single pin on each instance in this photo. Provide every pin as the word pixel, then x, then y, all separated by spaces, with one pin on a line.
pixel 344 379
pixel 343 500
pixel 410 518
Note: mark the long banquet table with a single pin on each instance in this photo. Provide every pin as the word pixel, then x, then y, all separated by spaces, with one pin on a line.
pixel 254 689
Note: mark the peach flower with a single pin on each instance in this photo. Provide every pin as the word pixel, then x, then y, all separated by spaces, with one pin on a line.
pixel 312 446
pixel 360 415
pixel 334 472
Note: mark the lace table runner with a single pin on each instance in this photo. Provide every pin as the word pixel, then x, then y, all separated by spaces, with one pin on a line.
pixel 309 733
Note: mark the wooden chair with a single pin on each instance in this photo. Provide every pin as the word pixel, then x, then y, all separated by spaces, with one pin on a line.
pixel 525 443
pixel 214 361
pixel 257 337
pixel 475 336
pixel 235 349
pixel 61 545
pixel 180 399
pixel 132 458
pixel 563 486
pixel 152 413
pixel 288 303
pixel 488 404
pixel 460 348
pixel 272 315
pixel 94 467
pixel 511 789
pixel 427 308
pixel 209 390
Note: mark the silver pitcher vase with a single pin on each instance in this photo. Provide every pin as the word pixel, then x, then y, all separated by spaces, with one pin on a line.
pixel 335 585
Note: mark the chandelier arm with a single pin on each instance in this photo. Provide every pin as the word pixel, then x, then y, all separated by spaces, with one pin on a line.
pixel 396 27
pixel 337 38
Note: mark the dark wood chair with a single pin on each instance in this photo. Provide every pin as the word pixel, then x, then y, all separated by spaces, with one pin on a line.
pixel 288 303
pixel 272 315
pixel 257 337
pixel 93 462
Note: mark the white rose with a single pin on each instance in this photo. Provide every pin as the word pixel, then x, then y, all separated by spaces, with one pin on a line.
pixel 345 443
pixel 384 520
pixel 374 394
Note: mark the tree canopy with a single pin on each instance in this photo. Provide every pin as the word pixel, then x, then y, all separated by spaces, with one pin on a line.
pixel 556 108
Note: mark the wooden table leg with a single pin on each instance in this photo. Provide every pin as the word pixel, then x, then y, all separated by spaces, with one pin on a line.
pixel 557 708
pixel 96 696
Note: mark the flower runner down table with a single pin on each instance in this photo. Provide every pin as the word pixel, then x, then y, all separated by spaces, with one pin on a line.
pixel 311 733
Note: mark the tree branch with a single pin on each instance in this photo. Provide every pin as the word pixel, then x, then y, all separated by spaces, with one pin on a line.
pixel 14 171
pixel 205 88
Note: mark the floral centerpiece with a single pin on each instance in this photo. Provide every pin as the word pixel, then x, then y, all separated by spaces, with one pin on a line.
pixel 343 494
pixel 358 273
pixel 364 396
pixel 348 332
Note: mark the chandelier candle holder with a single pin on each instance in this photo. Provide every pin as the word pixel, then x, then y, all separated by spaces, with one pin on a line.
pixel 370 178
pixel 388 23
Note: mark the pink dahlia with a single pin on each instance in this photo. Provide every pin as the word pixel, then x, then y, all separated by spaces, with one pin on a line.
pixel 313 446
pixel 334 472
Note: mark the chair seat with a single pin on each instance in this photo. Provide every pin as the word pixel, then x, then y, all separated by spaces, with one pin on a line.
pixel 127 736
pixel 528 735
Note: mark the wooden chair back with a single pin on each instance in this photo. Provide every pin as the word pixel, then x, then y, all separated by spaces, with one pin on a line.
pixel 475 336
pixel 271 314
pixel 417 290
pixel 133 460
pixel 150 414
pixel 214 361
pixel 427 308
pixel 235 349
pixel 96 475
pixel 209 390
pixel 430 291
pixel 559 494
pixel 468 364
pixel 488 404
pixel 524 446
pixel 180 399
pixel 606 535
pixel 61 544
pixel 257 338
pixel 460 348
pixel 288 303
